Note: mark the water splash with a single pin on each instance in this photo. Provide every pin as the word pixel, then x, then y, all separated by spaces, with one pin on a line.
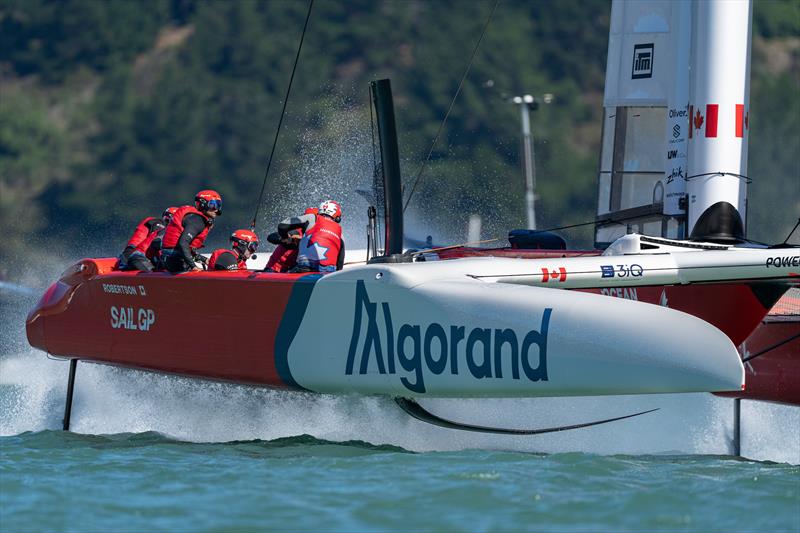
pixel 111 400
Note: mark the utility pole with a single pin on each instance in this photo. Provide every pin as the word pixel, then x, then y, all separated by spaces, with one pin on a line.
pixel 527 103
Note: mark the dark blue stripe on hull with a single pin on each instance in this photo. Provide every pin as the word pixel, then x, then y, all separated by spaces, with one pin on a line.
pixel 292 318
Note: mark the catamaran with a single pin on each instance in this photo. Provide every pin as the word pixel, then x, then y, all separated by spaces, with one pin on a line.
pixel 649 314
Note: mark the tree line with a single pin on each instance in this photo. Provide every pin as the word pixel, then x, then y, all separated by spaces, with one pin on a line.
pixel 111 111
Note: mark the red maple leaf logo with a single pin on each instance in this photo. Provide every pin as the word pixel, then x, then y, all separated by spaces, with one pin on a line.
pixel 698 120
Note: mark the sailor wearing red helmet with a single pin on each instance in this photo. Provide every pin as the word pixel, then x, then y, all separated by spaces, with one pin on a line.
pixel 321 249
pixel 243 244
pixel 187 231
pixel 135 255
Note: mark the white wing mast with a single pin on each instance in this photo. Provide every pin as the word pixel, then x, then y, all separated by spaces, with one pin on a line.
pixel 661 169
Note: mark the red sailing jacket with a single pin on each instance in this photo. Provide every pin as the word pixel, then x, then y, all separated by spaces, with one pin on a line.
pixel 175 229
pixel 321 243
pixel 212 262
pixel 282 259
pixel 142 236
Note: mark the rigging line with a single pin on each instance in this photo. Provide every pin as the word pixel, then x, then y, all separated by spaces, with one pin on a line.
pixel 778 345
pixel 453 101
pixel 740 176
pixel 595 222
pixel 429 250
pixel 791 232
pixel 607 220
pixel 283 112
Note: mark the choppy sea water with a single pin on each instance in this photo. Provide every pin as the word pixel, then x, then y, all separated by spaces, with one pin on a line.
pixel 152 452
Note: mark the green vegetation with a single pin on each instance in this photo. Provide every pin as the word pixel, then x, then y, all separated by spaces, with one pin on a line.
pixel 111 111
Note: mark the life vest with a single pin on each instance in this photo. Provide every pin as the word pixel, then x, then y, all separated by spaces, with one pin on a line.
pixel 175 229
pixel 319 247
pixel 212 261
pixel 143 236
pixel 282 259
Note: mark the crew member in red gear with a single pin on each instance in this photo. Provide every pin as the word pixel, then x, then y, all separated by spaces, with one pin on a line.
pixel 134 256
pixel 187 231
pixel 321 249
pixel 244 244
pixel 284 257
pixel 153 252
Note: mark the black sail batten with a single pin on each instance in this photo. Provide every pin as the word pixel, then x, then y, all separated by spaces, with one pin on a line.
pixel 381 91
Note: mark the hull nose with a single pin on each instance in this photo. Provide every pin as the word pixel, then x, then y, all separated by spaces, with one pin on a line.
pixel 54 301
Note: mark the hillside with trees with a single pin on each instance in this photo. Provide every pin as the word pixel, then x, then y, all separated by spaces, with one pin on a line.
pixel 111 111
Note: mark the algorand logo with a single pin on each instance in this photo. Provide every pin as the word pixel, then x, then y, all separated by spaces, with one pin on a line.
pixel 435 348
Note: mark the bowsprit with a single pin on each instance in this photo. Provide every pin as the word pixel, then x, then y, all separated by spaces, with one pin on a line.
pixel 437 349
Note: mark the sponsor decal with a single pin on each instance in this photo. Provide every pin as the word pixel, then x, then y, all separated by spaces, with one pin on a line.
pixel 672 154
pixel 676 131
pixel 416 351
pixel 130 290
pixel 642 61
pixel 620 292
pixel 560 274
pixel 675 174
pixel 678 113
pixel 783 262
pixel 621 271
pixel 133 318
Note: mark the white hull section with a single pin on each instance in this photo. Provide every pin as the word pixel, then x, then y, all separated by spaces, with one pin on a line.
pixel 433 329
pixel 625 265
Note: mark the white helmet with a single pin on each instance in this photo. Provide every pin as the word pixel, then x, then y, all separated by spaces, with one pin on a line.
pixel 332 209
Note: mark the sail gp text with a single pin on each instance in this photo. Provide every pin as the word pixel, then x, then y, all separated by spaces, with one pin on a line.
pixel 138 319
pixel 437 349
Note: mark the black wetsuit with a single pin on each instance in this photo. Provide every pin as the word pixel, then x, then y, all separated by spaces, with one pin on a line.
pixel 182 259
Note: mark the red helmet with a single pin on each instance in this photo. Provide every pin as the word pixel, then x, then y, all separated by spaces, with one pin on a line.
pixel 245 239
pixel 331 209
pixel 207 200
pixel 168 213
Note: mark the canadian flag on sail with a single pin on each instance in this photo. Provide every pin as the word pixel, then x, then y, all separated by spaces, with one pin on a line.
pixel 711 119
pixel 741 120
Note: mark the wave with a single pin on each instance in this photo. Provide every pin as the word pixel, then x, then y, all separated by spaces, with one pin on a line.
pixel 114 401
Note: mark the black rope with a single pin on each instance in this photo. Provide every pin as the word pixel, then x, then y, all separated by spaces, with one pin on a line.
pixel 453 101
pixel 740 176
pixel 765 350
pixel 283 112
pixel 791 232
